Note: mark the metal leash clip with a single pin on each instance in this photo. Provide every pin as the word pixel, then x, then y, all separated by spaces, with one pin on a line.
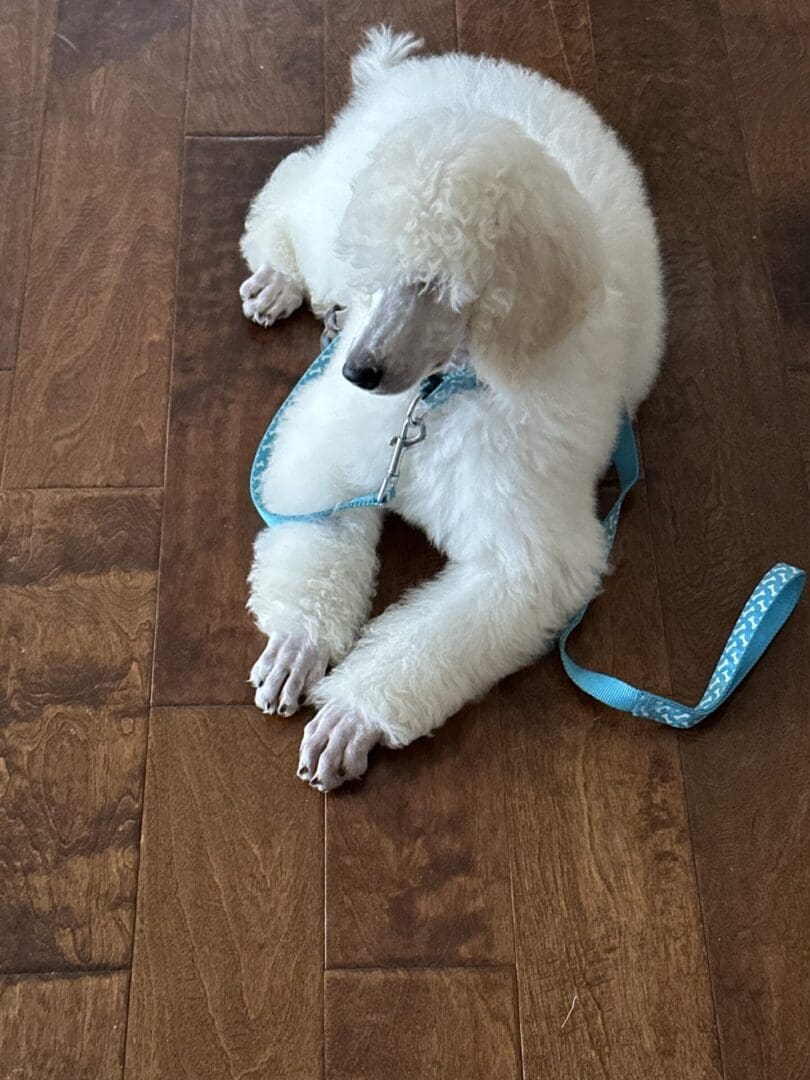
pixel 404 441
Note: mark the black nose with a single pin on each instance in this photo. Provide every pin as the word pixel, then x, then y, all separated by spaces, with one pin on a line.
pixel 366 375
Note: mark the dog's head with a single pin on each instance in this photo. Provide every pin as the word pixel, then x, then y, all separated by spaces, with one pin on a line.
pixel 462 230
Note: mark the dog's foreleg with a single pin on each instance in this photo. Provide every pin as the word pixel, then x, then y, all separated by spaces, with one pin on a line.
pixel 311 589
pixel 417 664
pixel 275 287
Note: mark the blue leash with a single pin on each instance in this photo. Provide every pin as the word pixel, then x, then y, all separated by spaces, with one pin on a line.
pixel 765 613
pixel 763 616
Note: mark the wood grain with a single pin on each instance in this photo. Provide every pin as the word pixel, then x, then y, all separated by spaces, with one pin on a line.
pixel 347 21
pixel 769 53
pixel 90 392
pixel 229 378
pixel 796 338
pixel 256 67
pixel 417 855
pixel 717 431
pixel 606 904
pixel 573 19
pixel 6 386
pixel 553 38
pixel 25 49
pixel 77 589
pixel 66 1028
pixel 414 1024
pixel 229 945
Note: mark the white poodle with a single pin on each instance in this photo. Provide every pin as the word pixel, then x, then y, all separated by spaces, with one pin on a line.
pixel 461 210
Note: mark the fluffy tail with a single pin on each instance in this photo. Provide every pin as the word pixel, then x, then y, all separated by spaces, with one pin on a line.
pixel 382 51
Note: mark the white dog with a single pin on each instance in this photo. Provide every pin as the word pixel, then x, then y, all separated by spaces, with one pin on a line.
pixel 460 209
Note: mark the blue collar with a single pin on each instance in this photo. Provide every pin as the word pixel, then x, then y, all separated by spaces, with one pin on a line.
pixel 762 617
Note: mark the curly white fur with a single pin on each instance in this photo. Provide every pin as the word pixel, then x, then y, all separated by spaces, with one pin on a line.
pixel 507 201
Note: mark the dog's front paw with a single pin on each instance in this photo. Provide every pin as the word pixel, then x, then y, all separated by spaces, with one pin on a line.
pixel 289 667
pixel 335 747
pixel 269 295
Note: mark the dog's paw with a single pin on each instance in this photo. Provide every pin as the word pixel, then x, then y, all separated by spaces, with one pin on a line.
pixel 289 667
pixel 335 747
pixel 269 295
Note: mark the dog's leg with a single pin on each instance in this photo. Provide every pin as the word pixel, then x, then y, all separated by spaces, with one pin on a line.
pixel 422 660
pixel 311 589
pixel 276 286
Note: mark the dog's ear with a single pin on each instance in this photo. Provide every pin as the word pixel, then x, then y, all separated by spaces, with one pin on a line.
pixel 548 265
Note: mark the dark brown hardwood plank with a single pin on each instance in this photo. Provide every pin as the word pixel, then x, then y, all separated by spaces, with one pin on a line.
pixel 347 21
pixel 64 1028
pixel 769 52
pixel 77 589
pixel 417 868
pixel 415 1024
pixel 552 38
pixel 728 498
pixel 90 392
pixel 256 67
pixel 227 977
pixel 606 907
pixel 26 32
pixel 229 378
pixel 417 855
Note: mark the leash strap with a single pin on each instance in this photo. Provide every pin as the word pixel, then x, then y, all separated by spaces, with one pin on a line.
pixel 434 391
pixel 763 616
pixel 765 612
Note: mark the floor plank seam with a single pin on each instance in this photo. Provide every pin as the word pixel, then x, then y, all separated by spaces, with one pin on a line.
pixel 458 966
pixel 201 705
pixel 255 136
pixel 72 973
pixel 179 225
pixel 10 407
pixel 510 843
pixel 126 489
pixel 32 217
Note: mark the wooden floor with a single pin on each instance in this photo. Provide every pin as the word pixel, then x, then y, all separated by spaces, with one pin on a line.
pixel 547 890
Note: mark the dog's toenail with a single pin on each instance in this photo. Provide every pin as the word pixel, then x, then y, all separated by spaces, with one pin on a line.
pixel 282 710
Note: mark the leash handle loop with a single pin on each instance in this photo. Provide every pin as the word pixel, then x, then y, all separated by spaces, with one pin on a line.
pixel 763 616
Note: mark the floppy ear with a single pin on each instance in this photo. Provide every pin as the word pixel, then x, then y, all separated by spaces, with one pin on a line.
pixel 547 269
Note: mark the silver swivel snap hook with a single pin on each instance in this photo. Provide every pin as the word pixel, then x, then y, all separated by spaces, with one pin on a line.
pixel 413 432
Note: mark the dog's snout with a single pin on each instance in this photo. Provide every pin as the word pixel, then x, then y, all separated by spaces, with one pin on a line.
pixel 364 372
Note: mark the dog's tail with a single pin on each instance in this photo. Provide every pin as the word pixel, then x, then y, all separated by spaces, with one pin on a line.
pixel 382 51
